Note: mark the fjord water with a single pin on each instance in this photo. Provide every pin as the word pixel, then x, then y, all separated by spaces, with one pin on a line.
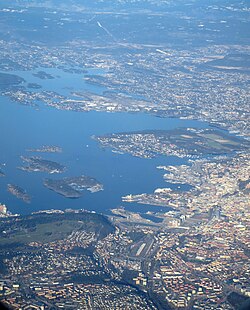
pixel 24 127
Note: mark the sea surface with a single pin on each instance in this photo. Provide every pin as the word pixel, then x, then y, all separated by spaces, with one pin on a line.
pixel 24 127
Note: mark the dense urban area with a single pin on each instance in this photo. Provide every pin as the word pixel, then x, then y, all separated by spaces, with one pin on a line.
pixel 167 59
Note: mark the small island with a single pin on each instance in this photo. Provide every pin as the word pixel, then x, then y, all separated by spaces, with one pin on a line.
pixel 19 192
pixel 72 187
pixel 43 75
pixel 34 86
pixel 46 149
pixel 41 165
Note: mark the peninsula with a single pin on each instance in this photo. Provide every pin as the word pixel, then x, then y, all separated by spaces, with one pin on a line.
pixel 180 142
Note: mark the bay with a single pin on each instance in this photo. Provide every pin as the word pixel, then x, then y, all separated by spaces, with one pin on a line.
pixel 23 127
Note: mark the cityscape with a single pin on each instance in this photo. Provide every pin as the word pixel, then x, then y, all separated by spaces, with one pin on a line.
pixel 125 163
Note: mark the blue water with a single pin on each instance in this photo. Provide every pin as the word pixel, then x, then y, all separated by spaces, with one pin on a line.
pixel 62 82
pixel 23 127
